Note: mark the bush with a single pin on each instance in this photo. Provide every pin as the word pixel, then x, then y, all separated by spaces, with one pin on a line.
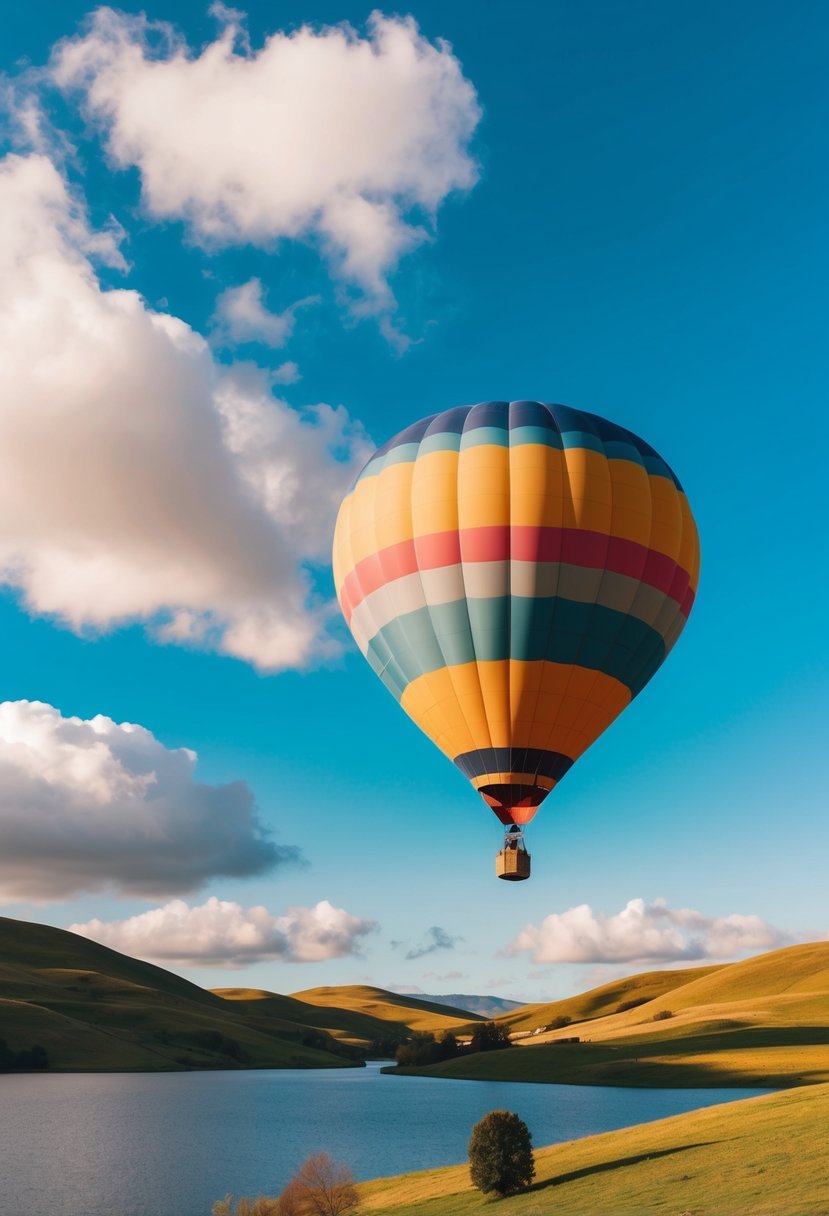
pixel 663 1013
pixel 559 1023
pixel 488 1037
pixel 423 1049
pixel 501 1154
pixel 321 1187
pixel 260 1206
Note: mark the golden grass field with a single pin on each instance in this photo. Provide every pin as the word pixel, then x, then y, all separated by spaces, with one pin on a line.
pixel 763 1022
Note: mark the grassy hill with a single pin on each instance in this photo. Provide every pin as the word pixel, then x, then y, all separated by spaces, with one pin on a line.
pixel 765 1156
pixel 411 1011
pixel 599 1002
pixel 764 1021
pixel 93 1009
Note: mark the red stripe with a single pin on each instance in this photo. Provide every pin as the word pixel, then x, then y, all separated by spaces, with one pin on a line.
pixel 575 546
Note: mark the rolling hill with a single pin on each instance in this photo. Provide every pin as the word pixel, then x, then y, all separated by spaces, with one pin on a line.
pixel 412 1011
pixel 763 1021
pixel 93 1009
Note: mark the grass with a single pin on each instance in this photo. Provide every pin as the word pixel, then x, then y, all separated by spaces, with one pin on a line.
pixel 765 1156
pixel 762 1022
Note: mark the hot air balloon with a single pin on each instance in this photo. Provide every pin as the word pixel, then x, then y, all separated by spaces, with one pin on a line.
pixel 515 573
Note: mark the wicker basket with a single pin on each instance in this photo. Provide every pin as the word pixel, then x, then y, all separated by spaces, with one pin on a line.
pixel 512 864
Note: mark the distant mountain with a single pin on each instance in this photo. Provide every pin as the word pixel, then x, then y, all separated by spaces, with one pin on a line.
pixel 484 1006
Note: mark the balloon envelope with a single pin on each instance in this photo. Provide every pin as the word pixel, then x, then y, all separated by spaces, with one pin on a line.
pixel 515 573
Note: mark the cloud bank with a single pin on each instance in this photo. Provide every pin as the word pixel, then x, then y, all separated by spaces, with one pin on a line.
pixel 644 933
pixel 140 479
pixel 352 142
pixel 91 805
pixel 223 934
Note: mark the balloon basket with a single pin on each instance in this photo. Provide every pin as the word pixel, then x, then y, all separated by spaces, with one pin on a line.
pixel 513 862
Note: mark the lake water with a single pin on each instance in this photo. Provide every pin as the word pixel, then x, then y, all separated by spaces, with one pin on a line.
pixel 169 1144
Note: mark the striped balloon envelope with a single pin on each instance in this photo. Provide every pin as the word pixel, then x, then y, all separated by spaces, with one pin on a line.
pixel 515 573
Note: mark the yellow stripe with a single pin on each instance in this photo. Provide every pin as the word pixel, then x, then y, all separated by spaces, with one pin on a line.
pixel 555 706
pixel 528 485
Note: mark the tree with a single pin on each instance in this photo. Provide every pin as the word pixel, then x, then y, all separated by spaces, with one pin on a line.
pixel 487 1036
pixel 501 1153
pixel 320 1187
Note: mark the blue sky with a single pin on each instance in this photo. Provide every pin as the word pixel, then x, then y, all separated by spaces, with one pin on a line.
pixel 635 226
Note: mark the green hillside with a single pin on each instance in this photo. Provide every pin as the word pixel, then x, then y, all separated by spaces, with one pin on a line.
pixel 764 1022
pixel 94 1009
pixel 765 1156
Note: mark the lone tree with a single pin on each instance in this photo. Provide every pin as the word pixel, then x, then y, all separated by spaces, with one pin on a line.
pixel 501 1153
pixel 320 1187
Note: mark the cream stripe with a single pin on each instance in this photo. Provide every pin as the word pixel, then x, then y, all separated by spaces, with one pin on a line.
pixel 447 584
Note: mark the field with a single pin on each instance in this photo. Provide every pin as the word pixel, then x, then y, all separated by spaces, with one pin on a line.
pixel 767 1156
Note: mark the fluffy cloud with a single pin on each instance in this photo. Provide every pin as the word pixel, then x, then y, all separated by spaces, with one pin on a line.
pixel 139 479
pixel 352 141
pixel 435 939
pixel 241 316
pixel 222 934
pixel 644 933
pixel 94 805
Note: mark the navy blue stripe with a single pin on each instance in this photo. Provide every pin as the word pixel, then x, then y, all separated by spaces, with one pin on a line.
pixel 505 760
pixel 578 426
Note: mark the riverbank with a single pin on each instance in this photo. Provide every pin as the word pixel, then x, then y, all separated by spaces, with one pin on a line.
pixel 764 1156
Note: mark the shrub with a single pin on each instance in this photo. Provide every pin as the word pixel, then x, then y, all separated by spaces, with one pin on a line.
pixel 501 1154
pixel 262 1205
pixel 488 1037
pixel 663 1013
pixel 321 1187
pixel 424 1048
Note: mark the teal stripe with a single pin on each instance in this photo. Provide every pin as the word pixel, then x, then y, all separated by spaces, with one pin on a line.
pixel 443 441
pixel 404 454
pixel 517 627
pixel 447 441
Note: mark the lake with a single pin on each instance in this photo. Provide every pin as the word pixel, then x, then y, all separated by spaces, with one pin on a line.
pixel 158 1144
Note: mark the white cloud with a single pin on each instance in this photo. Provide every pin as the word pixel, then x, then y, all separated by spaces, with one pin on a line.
pixel 286 373
pixel 241 316
pixel 139 479
pixel 223 934
pixel 644 933
pixel 322 134
pixel 94 805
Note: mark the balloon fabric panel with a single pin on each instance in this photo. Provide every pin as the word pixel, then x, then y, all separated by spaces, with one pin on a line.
pixel 515 574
